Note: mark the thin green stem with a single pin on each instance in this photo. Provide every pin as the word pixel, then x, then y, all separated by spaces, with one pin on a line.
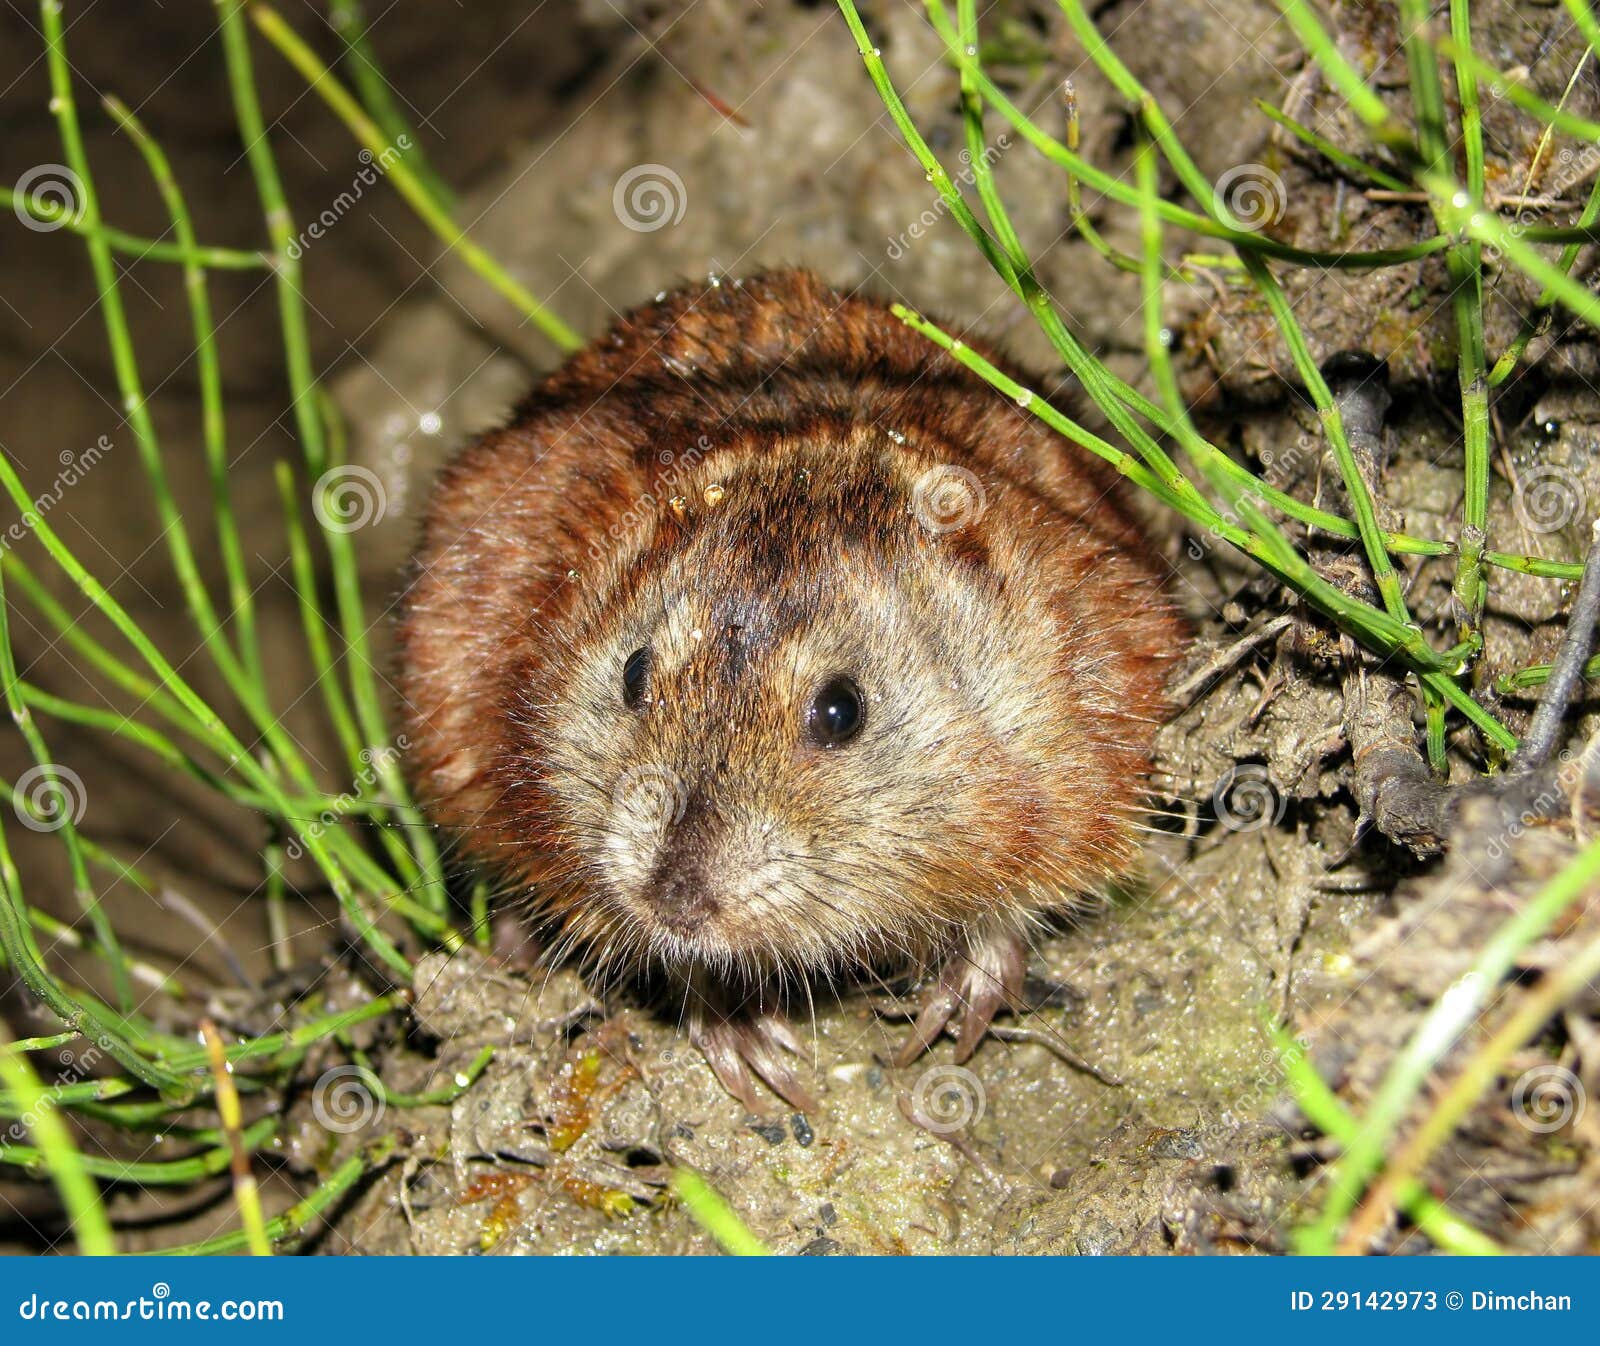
pixel 213 423
pixel 1451 1015
pixel 1324 1111
pixel 140 249
pixel 60 814
pixel 429 210
pixel 348 19
pixel 282 1230
pixel 1353 167
pixel 67 1167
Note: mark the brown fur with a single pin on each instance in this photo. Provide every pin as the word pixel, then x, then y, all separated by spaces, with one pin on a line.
pixel 731 478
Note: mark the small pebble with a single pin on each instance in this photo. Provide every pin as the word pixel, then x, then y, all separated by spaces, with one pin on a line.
pixel 772 1132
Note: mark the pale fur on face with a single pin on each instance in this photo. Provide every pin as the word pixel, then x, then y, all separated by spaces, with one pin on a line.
pixel 876 850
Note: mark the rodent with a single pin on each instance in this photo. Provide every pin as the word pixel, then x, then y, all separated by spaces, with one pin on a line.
pixel 766 643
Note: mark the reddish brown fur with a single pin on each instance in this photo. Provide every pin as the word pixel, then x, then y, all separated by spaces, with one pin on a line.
pixel 1013 667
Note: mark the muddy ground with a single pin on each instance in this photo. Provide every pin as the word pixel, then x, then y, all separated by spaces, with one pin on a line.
pixel 1141 1108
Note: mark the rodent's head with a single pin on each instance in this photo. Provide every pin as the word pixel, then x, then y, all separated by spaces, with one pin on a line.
pixel 827 702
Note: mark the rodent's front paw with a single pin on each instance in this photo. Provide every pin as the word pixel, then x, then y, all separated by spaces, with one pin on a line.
pixel 975 984
pixel 745 1046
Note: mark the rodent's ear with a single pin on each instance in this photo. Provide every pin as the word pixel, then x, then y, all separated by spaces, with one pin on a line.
pixel 516 531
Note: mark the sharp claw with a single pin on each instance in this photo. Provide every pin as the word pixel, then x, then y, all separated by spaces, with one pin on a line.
pixel 727 1065
pixel 935 1015
pixel 978 985
pixel 741 1050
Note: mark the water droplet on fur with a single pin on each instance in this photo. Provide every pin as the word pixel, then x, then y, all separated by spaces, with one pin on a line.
pixel 714 494
pixel 714 280
pixel 572 574
pixel 678 505
pixel 897 436
pixel 697 634
pixel 803 476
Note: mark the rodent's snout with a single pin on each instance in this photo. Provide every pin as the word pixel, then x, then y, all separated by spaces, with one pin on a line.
pixel 678 892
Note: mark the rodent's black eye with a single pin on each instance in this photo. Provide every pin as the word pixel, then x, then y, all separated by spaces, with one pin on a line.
pixel 837 713
pixel 635 678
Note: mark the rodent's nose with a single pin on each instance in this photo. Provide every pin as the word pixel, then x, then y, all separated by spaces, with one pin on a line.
pixel 679 893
